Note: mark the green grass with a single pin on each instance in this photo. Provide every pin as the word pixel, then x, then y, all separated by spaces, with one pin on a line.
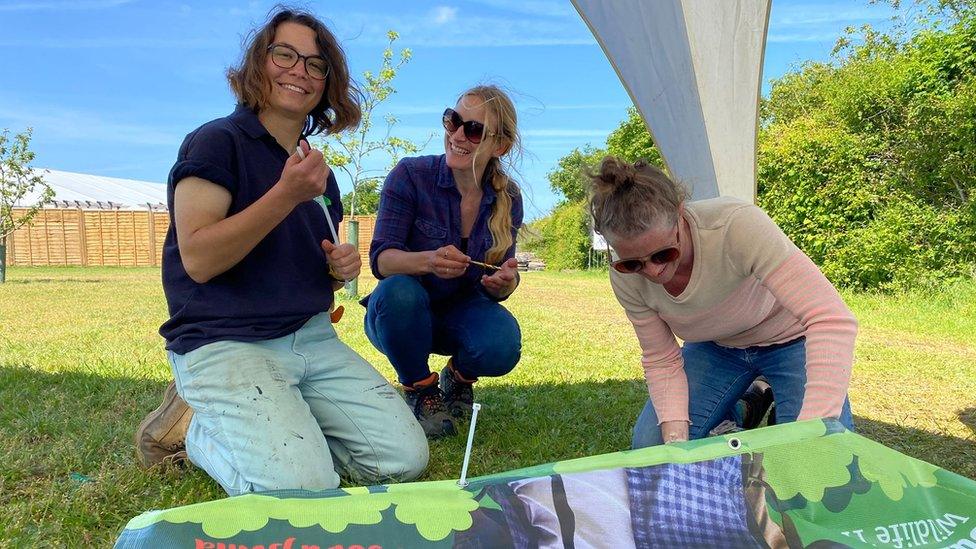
pixel 81 363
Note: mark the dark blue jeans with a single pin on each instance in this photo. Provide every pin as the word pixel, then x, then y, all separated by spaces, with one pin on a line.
pixel 483 338
pixel 718 376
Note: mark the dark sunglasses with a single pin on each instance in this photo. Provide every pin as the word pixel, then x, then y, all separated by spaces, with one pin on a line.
pixel 474 131
pixel 660 257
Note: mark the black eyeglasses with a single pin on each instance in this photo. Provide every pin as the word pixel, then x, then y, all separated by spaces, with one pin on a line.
pixel 474 131
pixel 286 57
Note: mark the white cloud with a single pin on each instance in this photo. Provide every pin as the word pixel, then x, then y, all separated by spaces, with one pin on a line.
pixel 802 37
pixel 546 8
pixel 506 30
pixel 563 132
pixel 61 5
pixel 58 124
pixel 584 107
pixel 815 15
pixel 101 42
pixel 444 14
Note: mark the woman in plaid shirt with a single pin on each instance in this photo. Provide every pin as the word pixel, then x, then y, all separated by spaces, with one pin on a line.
pixel 443 250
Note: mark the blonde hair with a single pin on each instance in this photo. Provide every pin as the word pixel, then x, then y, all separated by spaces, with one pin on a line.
pixel 627 199
pixel 500 109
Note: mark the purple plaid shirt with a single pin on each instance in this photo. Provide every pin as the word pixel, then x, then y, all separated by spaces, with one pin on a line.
pixel 420 210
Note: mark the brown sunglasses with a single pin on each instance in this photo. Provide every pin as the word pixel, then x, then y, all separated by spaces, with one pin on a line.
pixel 660 257
pixel 474 131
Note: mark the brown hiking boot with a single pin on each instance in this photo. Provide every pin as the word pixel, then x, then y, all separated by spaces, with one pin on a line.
pixel 161 437
pixel 427 403
pixel 458 392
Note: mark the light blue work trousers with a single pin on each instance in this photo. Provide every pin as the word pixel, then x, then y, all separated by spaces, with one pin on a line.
pixel 298 411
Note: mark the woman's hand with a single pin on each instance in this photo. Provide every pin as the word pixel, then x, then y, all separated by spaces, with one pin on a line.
pixel 504 281
pixel 344 259
pixel 674 431
pixel 447 262
pixel 305 175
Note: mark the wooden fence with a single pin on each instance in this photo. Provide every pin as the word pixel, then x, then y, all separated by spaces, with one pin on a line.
pixel 123 238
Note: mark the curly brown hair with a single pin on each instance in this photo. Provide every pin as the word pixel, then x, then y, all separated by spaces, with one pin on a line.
pixel 339 107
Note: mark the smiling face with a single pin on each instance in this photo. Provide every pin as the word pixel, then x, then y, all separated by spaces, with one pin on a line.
pixel 463 154
pixel 293 92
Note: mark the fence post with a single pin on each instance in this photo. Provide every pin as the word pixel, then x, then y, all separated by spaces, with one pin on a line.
pixel 82 237
pixel 352 237
pixel 152 235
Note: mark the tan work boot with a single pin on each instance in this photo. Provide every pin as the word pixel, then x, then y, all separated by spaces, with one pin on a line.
pixel 161 437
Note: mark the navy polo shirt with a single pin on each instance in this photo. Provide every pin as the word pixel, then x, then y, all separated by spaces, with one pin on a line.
pixel 420 210
pixel 283 281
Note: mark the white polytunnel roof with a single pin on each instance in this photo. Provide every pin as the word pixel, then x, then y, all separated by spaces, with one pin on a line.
pixel 694 69
pixel 78 190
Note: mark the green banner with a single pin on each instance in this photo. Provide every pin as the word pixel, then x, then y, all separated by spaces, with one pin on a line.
pixel 809 484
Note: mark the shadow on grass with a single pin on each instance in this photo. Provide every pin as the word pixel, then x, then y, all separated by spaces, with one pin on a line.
pixel 68 473
pixel 968 418
pixel 949 452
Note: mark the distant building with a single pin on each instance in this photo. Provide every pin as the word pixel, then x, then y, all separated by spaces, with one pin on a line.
pixel 96 192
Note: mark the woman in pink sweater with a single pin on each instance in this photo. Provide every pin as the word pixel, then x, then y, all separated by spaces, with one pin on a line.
pixel 721 276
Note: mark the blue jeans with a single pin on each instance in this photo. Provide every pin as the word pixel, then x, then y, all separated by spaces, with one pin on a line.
pixel 297 411
pixel 481 336
pixel 718 376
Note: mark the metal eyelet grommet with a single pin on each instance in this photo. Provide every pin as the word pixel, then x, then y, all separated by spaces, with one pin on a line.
pixel 735 443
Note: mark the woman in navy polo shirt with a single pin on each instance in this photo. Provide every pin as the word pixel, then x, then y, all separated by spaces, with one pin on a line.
pixel 249 274
pixel 439 215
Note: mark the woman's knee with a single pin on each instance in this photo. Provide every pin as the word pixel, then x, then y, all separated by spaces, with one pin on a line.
pixel 303 474
pixel 317 476
pixel 646 431
pixel 404 459
pixel 412 461
pixel 492 356
pixel 493 360
pixel 399 294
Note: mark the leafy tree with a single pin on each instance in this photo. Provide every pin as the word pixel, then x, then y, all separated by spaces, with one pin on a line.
pixel 631 141
pixel 350 152
pixel 569 179
pixel 367 198
pixel 866 162
pixel 564 237
pixel 17 179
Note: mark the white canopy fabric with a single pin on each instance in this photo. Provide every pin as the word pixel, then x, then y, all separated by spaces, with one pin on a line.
pixel 95 191
pixel 693 68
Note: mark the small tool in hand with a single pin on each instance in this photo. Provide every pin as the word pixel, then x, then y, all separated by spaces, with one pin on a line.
pixel 324 202
pixel 485 265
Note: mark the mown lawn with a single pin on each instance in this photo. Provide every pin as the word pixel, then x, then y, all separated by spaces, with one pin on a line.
pixel 81 363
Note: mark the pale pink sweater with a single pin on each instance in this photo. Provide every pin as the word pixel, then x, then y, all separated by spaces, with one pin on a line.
pixel 750 285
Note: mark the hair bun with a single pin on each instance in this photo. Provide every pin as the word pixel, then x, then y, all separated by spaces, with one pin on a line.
pixel 615 174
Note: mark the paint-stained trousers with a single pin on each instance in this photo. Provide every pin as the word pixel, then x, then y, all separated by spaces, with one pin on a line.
pixel 298 411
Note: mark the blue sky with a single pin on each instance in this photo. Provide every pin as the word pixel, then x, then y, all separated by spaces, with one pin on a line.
pixel 111 87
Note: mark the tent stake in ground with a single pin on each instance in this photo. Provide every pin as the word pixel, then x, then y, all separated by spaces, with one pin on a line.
pixel 462 482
